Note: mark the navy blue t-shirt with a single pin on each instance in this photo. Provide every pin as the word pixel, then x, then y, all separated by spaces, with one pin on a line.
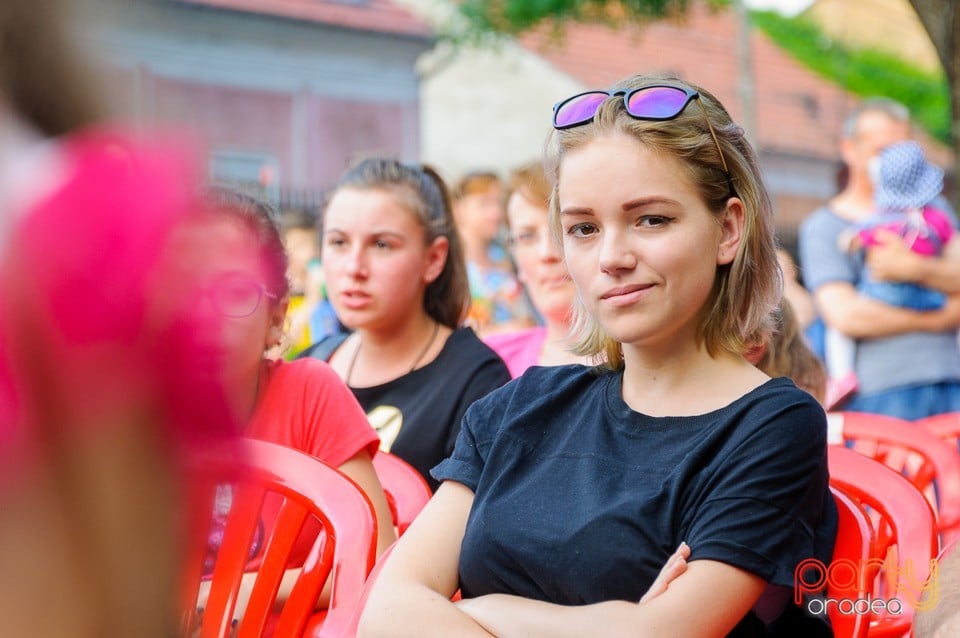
pixel 579 499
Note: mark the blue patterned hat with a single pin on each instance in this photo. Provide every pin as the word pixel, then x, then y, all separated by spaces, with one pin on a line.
pixel 904 179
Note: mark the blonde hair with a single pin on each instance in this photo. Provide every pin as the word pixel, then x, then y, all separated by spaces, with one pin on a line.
pixel 747 290
pixel 786 354
pixel 530 180
pixel 475 183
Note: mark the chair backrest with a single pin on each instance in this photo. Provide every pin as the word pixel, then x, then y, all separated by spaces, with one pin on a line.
pixel 905 540
pixel 855 542
pixel 914 452
pixel 945 427
pixel 277 493
pixel 407 491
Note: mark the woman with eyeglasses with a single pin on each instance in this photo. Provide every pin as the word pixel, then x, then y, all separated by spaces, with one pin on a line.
pixel 541 269
pixel 396 277
pixel 300 404
pixel 570 488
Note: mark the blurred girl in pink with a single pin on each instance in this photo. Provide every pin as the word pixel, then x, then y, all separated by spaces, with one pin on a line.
pixel 107 377
pixel 104 376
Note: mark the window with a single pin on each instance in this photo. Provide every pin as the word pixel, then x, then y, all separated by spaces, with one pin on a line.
pixel 256 173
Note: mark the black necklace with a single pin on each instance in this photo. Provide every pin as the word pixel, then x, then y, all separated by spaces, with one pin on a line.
pixel 423 353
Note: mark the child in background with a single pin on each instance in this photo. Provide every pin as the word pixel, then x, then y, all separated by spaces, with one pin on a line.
pixel 785 353
pixel 310 316
pixel 497 299
pixel 906 184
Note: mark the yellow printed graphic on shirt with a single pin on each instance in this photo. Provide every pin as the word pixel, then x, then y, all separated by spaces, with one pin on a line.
pixel 387 421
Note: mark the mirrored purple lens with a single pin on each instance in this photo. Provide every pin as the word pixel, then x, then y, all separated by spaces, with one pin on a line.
pixel 579 109
pixel 657 103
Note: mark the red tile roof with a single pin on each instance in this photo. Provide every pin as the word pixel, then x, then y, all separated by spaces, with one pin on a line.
pixel 796 111
pixel 380 16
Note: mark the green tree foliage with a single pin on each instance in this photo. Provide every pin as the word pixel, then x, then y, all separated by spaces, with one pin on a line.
pixel 863 72
pixel 515 16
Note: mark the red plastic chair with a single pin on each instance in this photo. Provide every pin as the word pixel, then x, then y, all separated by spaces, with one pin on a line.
pixel 407 493
pixel 406 489
pixel 945 427
pixel 855 542
pixel 305 490
pixel 914 452
pixel 905 542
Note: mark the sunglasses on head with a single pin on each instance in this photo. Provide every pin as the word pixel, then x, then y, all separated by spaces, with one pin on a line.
pixel 656 102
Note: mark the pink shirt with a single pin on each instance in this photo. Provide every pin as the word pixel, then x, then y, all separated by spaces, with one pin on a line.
pixel 924 232
pixel 92 320
pixel 519 349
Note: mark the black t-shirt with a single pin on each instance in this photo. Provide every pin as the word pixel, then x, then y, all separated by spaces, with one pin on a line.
pixel 579 499
pixel 418 415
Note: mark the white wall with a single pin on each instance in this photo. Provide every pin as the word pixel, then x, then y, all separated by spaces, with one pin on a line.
pixel 487 109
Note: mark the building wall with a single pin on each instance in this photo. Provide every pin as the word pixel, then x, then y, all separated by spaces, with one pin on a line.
pixel 308 98
pixel 491 109
pixel 487 109
pixel 798 184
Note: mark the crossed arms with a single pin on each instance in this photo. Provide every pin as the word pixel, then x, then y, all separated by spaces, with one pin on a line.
pixel 412 593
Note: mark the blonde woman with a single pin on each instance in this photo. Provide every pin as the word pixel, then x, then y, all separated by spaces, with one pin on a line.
pixel 571 487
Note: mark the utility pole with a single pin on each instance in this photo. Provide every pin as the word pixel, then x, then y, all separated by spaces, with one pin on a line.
pixel 745 86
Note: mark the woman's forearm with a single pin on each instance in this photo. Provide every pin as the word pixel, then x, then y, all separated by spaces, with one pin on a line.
pixel 505 616
pixel 416 611
pixel 665 612
pixel 861 317
pixel 411 594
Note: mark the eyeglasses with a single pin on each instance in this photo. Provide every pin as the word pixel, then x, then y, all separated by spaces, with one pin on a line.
pixel 237 297
pixel 527 239
pixel 657 102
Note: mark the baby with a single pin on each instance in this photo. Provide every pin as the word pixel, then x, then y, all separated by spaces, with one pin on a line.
pixel 905 185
